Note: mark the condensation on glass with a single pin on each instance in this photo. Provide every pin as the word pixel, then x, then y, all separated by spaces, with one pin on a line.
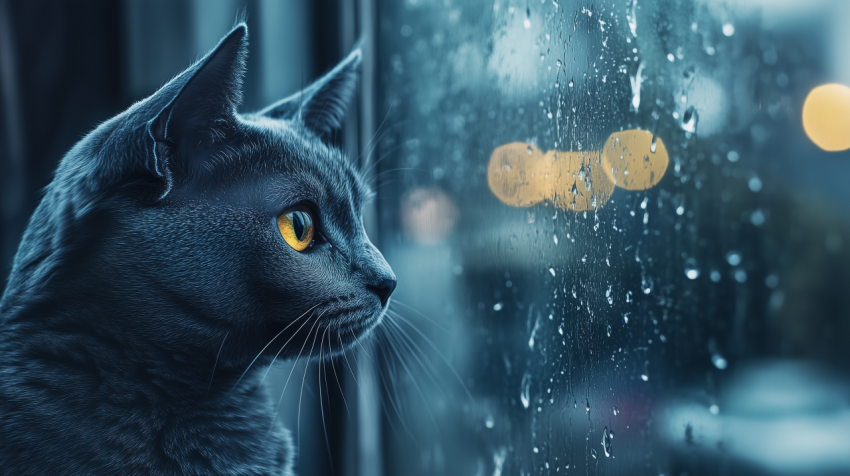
pixel 622 236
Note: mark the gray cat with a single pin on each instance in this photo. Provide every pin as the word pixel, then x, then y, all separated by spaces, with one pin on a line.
pixel 179 244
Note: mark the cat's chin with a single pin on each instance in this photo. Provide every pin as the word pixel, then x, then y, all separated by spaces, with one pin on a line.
pixel 349 326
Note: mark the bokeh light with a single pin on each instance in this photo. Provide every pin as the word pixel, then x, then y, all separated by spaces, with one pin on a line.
pixel 521 175
pixel 428 215
pixel 826 117
pixel 635 159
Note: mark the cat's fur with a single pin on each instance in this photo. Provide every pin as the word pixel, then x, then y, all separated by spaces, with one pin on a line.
pixel 153 273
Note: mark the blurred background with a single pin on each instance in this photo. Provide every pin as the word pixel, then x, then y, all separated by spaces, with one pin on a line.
pixel 621 228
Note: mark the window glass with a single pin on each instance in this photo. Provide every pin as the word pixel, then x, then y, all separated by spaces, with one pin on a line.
pixel 622 236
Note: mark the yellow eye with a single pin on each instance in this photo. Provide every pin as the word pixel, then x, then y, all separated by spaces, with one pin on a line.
pixel 296 226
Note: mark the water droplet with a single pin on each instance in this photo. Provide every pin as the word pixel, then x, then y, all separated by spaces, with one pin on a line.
pixel 552 271
pixel 626 317
pixel 719 361
pixel 524 389
pixel 607 438
pixel 754 184
pixel 489 423
pixel 715 276
pixel 558 63
pixel 644 377
pixel 497 307
pixel 526 23
pixel 571 83
pixel 728 29
pixel 635 82
pixel 555 237
pixel 644 203
pixel 632 18
pixel 714 409
pixel 733 258
pixel 609 296
pixel 691 270
pixel 680 210
pixel 670 57
pixel 690 119
pixel 533 332
pixel 535 449
pixel 588 406
pixel 608 330
pixel 529 149
pixel 654 146
pixel 740 275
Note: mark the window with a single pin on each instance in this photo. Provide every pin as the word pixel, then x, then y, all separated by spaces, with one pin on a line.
pixel 619 234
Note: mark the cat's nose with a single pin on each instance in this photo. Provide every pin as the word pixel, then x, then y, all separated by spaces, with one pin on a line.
pixel 383 289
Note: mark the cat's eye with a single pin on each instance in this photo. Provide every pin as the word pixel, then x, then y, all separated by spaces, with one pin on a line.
pixel 296 227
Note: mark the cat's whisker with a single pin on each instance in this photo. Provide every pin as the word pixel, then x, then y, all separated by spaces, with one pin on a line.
pixel 390 394
pixel 270 343
pixel 367 149
pixel 440 354
pixel 295 364
pixel 345 356
pixel 268 369
pixel 320 366
pixel 394 348
pixel 215 364
pixel 381 378
pixel 414 349
pixel 375 163
pixel 304 379
pixel 423 316
pixel 336 377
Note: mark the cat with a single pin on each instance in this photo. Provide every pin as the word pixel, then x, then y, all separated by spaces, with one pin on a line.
pixel 179 244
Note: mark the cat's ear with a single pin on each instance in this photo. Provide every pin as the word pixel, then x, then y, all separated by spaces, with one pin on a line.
pixel 321 106
pixel 202 106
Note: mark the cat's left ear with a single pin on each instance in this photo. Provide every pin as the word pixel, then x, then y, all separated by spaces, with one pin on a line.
pixel 201 105
pixel 321 106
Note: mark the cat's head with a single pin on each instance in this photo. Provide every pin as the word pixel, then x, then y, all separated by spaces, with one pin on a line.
pixel 213 224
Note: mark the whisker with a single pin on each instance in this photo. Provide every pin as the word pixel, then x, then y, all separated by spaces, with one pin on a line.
pixel 333 366
pixel 212 374
pixel 320 366
pixel 436 324
pixel 382 379
pixel 409 373
pixel 281 349
pixel 267 345
pixel 414 349
pixel 304 379
pixel 295 364
pixel 449 365
pixel 377 131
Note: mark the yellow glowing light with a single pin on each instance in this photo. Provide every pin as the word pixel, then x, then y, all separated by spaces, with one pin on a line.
pixel 635 159
pixel 521 175
pixel 517 174
pixel 826 117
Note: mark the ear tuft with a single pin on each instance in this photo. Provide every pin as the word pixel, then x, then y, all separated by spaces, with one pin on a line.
pixel 321 106
pixel 204 107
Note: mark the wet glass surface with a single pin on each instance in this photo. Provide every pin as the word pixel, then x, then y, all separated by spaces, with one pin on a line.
pixel 622 237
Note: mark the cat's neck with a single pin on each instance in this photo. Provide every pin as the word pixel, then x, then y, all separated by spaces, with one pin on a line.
pixel 88 337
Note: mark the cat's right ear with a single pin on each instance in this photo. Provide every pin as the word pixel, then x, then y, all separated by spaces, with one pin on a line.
pixel 201 107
